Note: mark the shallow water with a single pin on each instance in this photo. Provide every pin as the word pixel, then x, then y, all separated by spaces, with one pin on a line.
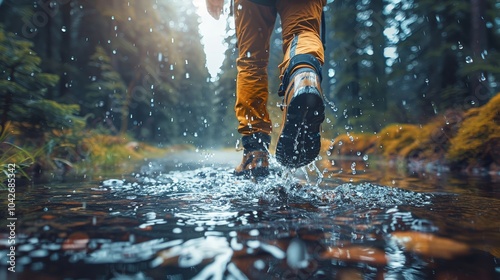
pixel 188 217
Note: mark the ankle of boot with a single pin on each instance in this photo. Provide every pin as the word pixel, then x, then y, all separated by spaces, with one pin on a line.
pixel 296 62
pixel 256 142
pixel 302 69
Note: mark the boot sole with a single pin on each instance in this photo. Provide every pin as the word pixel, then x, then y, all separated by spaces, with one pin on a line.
pixel 300 140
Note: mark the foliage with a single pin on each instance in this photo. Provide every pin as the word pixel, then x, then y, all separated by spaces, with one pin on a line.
pixel 13 154
pixel 158 68
pixel 106 90
pixel 23 88
pixel 478 139
pixel 134 68
pixel 107 152
pixel 21 78
pixel 46 116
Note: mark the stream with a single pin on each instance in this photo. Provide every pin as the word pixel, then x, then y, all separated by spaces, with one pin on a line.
pixel 188 217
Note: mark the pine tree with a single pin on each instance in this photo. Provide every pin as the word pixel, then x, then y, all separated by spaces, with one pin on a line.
pixel 105 96
pixel 23 86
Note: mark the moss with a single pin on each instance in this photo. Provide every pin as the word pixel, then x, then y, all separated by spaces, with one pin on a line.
pixel 433 139
pixel 478 138
pixel 393 139
pixel 427 142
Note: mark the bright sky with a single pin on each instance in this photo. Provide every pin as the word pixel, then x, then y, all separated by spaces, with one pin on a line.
pixel 213 33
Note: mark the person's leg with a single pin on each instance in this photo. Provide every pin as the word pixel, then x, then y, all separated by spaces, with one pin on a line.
pixel 300 141
pixel 301 23
pixel 254 24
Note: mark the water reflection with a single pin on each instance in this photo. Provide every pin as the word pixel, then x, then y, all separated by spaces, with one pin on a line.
pixel 203 223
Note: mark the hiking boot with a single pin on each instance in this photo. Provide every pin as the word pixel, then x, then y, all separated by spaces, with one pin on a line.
pixel 255 161
pixel 303 112
pixel 254 164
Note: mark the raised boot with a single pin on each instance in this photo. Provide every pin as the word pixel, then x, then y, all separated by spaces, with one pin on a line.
pixel 299 142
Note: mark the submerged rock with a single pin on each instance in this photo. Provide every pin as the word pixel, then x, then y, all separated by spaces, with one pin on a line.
pixel 430 245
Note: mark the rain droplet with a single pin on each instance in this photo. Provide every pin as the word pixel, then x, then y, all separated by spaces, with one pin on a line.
pixel 469 59
pixel 259 264
pixel 482 78
pixel 484 54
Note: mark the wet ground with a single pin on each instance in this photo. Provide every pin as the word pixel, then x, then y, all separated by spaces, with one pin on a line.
pixel 188 217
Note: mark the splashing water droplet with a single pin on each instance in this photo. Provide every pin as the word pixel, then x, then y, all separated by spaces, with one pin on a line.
pixel 483 77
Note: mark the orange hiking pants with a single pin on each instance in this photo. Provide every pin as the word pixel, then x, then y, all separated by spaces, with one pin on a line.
pixel 301 21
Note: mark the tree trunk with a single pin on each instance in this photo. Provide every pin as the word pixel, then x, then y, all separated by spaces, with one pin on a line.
pixel 478 81
pixel 6 105
pixel 379 89
pixel 126 103
pixel 65 49
pixel 49 48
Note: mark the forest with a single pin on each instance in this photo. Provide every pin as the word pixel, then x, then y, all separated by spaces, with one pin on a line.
pixel 77 76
